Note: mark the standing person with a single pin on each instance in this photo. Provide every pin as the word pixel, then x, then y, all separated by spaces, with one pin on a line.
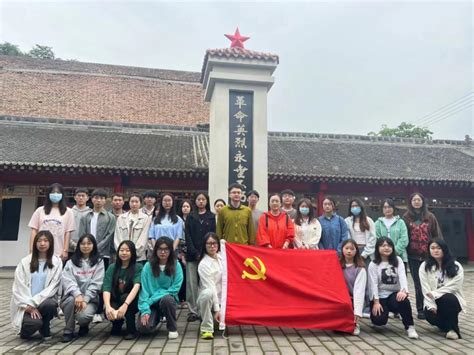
pixel 36 283
pixel 149 199
pixel 55 217
pixel 167 223
pixel 275 228
pixel 184 211
pixel 118 200
pixel 134 225
pixel 334 228
pixel 307 226
pixel 218 205
pixel 362 229
pixel 422 227
pixel 288 197
pixel 81 281
pixel 234 222
pixel 210 284
pixel 198 225
pixel 393 227
pixel 253 197
pixel 161 280
pixel 441 278
pixel 353 267
pixel 81 196
pixel 120 289
pixel 389 287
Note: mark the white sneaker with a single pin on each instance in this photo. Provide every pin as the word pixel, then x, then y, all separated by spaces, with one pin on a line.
pixel 412 334
pixel 452 335
pixel 356 330
pixel 97 318
pixel 60 312
pixel 172 335
pixel 365 315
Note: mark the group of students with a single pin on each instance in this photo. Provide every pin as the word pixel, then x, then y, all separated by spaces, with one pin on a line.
pixel 149 259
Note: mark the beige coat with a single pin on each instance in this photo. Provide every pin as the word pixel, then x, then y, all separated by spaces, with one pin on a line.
pixel 138 233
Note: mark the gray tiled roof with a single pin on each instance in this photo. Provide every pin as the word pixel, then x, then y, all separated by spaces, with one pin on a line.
pixel 145 149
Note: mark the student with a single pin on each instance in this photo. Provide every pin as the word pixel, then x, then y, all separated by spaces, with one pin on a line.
pixel 134 225
pixel 81 196
pixel 234 222
pixel 362 229
pixel 275 228
pixel 422 227
pixel 149 199
pixel 161 280
pixel 198 225
pixel 81 281
pixel 393 227
pixel 210 284
pixel 218 205
pixel 167 223
pixel 353 267
pixel 252 198
pixel 334 228
pixel 55 217
pixel 389 287
pixel 120 290
pixel 117 204
pixel 184 211
pixel 36 283
pixel 288 197
pixel 307 226
pixel 441 278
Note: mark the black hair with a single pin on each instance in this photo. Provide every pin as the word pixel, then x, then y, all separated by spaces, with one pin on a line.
pixel 332 200
pixel 150 193
pixel 219 200
pixel 270 197
pixel 235 186
pixel 61 204
pixel 208 203
pixel 299 216
pixel 448 265
pixel 162 212
pixel 130 272
pixel 287 192
pixel 118 194
pixel 363 221
pixel 180 210
pixel 358 261
pixel 170 268
pixel 94 257
pixel 208 236
pixel 34 264
pixel 137 195
pixel 81 190
pixel 389 202
pixel 392 259
pixel 99 193
pixel 253 192
pixel 411 212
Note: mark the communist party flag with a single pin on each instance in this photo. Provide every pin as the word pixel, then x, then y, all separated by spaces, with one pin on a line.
pixel 292 288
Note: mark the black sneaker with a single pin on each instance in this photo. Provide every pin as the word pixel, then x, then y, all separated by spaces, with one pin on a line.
pixel 421 316
pixel 67 338
pixel 83 330
pixel 131 336
pixel 24 336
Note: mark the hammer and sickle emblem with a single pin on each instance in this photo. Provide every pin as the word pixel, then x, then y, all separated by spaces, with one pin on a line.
pixel 259 271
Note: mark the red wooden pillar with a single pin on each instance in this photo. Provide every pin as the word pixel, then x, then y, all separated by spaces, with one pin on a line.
pixel 118 186
pixel 323 187
pixel 469 234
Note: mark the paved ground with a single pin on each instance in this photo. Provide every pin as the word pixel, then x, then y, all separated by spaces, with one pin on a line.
pixel 247 339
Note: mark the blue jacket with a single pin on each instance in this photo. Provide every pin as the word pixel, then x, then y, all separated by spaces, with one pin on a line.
pixel 334 232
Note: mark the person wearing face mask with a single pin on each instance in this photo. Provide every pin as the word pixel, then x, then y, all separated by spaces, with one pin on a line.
pixel 307 226
pixel 55 217
pixel 362 229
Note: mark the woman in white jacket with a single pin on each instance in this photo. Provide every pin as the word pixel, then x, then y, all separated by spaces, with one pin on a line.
pixel 307 226
pixel 37 279
pixel 441 278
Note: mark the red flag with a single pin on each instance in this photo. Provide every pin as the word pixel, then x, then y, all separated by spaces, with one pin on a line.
pixel 286 288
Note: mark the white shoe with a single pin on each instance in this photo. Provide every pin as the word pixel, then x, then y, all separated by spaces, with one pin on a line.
pixel 365 315
pixel 412 334
pixel 356 330
pixel 172 335
pixel 60 312
pixel 97 318
pixel 452 335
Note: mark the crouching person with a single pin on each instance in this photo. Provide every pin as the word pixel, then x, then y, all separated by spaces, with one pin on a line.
pixel 210 275
pixel 82 280
pixel 161 280
pixel 37 279
pixel 120 290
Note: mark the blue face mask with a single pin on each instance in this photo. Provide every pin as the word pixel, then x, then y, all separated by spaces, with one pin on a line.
pixel 55 197
pixel 355 211
pixel 304 211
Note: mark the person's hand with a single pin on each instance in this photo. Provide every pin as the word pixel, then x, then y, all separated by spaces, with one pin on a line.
pixel 377 309
pixel 33 312
pixel 434 310
pixel 401 295
pixel 217 316
pixel 356 319
pixel 430 295
pixel 64 255
pixel 78 301
pixel 145 319
pixel 285 245
pixel 110 313
pixel 121 311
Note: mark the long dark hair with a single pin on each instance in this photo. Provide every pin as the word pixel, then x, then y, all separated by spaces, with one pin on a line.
pixel 61 204
pixel 208 236
pixel 448 265
pixel 358 261
pixel 162 213
pixel 34 264
pixel 180 210
pixel 129 273
pixel 170 268
pixel 299 216
pixel 411 212
pixel 94 257
pixel 208 203
pixel 363 222
pixel 392 259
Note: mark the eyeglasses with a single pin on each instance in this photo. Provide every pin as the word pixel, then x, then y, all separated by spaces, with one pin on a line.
pixel 163 250
pixel 212 244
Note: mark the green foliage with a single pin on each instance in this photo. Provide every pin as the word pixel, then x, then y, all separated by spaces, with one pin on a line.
pixel 404 130
pixel 7 48
pixel 41 52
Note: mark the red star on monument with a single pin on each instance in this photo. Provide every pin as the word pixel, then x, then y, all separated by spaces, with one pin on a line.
pixel 237 41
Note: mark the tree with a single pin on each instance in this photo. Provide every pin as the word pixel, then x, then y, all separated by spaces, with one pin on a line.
pixel 41 52
pixel 7 48
pixel 404 130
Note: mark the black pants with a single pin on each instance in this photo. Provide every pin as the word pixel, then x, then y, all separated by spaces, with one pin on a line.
pixel 390 304
pixel 129 315
pixel 446 317
pixel 165 307
pixel 182 290
pixel 414 268
pixel 48 309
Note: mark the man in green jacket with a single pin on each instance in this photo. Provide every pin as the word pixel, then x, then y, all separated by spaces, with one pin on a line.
pixel 234 222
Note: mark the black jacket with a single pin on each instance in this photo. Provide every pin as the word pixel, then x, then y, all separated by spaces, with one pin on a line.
pixel 195 232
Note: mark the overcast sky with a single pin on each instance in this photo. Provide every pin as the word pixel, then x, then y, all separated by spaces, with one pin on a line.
pixel 345 67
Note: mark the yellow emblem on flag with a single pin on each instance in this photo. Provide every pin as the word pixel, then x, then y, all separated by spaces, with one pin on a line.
pixel 259 272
